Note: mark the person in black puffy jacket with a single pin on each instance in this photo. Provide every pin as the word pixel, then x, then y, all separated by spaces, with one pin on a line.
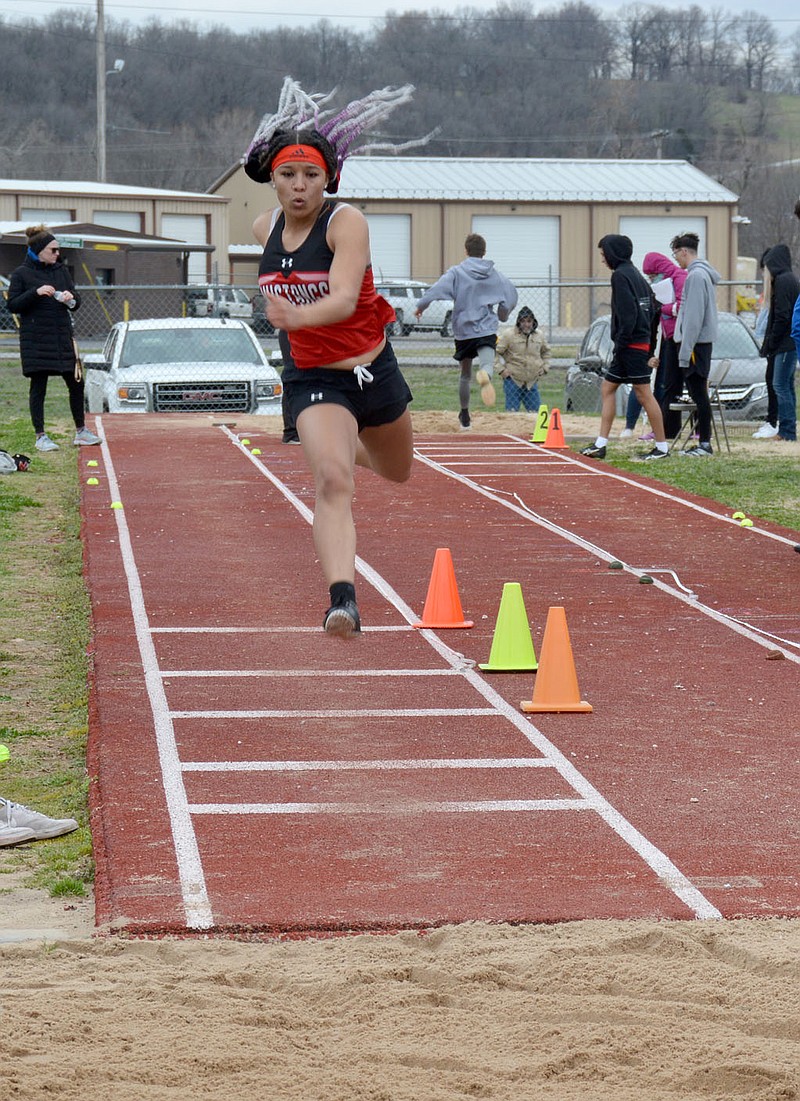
pixel 41 291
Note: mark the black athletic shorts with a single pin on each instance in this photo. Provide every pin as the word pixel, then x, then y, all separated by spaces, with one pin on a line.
pixel 629 365
pixel 468 349
pixel 378 402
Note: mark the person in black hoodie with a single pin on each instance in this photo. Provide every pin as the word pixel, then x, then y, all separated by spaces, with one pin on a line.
pixel 634 328
pixel 778 342
pixel 41 291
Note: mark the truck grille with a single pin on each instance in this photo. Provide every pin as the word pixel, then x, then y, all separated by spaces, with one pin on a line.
pixel 223 397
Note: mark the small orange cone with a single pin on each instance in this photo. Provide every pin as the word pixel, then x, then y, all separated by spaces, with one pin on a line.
pixel 556 686
pixel 442 604
pixel 555 433
pixel 542 421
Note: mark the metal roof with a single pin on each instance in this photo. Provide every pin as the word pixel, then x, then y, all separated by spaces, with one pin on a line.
pixel 110 236
pixel 90 187
pixel 490 179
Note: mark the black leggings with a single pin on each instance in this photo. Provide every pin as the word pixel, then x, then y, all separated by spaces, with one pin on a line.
pixel 38 391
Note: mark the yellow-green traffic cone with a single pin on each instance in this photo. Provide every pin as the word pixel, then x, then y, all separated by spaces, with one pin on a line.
pixel 542 424
pixel 512 645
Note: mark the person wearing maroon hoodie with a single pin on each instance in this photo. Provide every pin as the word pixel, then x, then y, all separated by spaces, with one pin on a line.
pixel 669 377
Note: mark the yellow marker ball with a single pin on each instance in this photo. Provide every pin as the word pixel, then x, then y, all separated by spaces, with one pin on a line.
pixel 5 752
pixel 738 516
pixel 256 451
pixel 116 504
pixel 92 481
pixel 92 462
pixel 244 443
pixel 745 523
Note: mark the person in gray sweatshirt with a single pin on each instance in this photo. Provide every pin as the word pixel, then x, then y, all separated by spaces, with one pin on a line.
pixel 696 331
pixel 476 288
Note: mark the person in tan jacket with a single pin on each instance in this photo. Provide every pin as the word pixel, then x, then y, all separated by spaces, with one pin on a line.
pixel 522 358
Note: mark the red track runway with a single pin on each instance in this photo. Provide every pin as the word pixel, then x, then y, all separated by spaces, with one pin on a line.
pixel 250 773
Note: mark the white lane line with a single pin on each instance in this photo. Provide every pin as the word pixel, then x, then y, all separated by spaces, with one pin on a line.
pixel 393 809
pixel 194 894
pixel 313 673
pixel 367 766
pixel 195 630
pixel 769 642
pixel 671 876
pixel 342 713
pixel 572 459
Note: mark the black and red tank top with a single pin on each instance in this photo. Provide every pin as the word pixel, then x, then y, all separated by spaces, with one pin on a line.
pixel 303 277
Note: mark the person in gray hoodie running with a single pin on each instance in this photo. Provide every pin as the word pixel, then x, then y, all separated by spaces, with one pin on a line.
pixel 696 331
pixel 476 287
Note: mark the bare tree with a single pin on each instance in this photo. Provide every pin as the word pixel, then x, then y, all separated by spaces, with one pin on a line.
pixel 757 47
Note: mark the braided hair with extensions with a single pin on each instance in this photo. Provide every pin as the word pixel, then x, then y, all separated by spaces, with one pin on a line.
pixel 307 119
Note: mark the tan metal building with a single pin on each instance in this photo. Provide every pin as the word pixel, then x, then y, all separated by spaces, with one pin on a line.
pixel 542 219
pixel 193 218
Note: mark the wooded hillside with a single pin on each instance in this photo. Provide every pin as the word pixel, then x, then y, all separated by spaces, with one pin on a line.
pixel 570 82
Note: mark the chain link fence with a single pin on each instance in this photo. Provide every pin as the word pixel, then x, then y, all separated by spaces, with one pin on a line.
pixel 564 309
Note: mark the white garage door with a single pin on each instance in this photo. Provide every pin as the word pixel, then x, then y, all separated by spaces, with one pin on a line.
pixel 390 244
pixel 526 250
pixel 655 234
pixel 194 229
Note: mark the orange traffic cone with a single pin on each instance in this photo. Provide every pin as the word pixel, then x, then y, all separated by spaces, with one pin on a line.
pixel 555 432
pixel 442 604
pixel 556 687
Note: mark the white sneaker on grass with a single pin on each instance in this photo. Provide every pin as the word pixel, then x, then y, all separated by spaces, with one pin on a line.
pixel 85 436
pixel 44 443
pixel 766 432
pixel 626 433
pixel 14 835
pixel 15 816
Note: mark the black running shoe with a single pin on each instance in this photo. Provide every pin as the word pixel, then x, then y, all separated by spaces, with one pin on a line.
pixel 594 452
pixel 652 455
pixel 464 419
pixel 342 620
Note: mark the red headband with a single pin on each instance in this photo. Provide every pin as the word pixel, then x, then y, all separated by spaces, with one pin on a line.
pixel 305 154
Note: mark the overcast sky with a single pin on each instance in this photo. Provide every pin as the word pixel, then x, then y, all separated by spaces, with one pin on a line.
pixel 244 15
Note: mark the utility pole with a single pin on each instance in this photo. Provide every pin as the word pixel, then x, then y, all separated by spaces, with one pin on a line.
pixel 100 41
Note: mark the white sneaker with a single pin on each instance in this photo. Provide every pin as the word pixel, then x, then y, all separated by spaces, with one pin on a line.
pixel 85 436
pixel 626 433
pixel 44 443
pixel 15 816
pixel 766 432
pixel 14 835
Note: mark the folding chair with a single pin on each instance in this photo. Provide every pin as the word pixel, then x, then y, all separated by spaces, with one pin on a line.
pixel 719 371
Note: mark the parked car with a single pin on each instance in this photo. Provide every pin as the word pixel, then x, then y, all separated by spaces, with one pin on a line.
pixel 743 393
pixel 6 316
pixel 186 364
pixel 217 300
pixel 260 322
pixel 403 295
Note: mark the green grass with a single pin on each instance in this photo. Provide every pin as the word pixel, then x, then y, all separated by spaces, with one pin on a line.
pixel 44 617
pixel 44 611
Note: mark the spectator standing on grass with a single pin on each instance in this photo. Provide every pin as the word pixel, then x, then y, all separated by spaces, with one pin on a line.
pixel 345 392
pixel 769 429
pixel 695 332
pixel 41 291
pixel 476 288
pixel 668 279
pixel 523 357
pixel 634 322
pixel 779 339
